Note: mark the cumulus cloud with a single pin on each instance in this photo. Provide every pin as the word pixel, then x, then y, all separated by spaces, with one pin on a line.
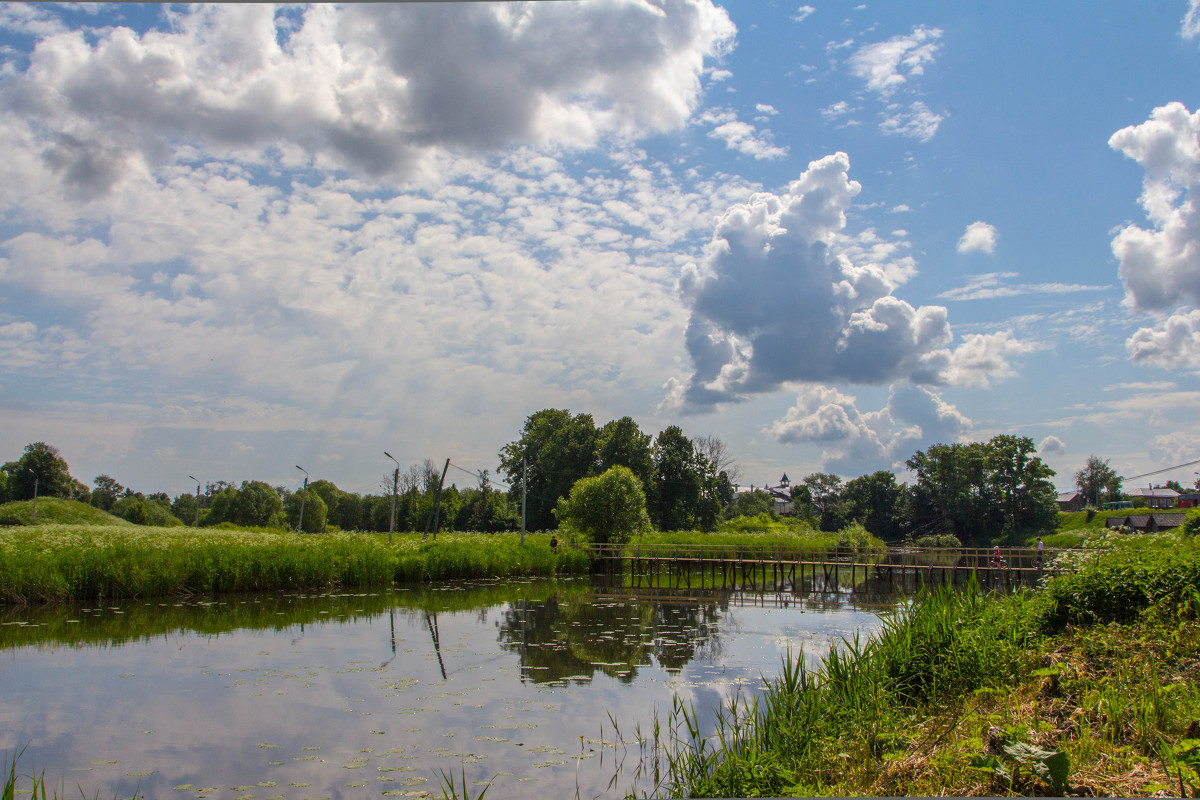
pixel 742 136
pixel 1176 343
pixel 803 13
pixel 887 66
pixel 1160 266
pixel 784 295
pixel 1052 445
pixel 377 88
pixel 855 442
pixel 979 236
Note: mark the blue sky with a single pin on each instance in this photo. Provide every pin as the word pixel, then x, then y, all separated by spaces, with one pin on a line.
pixel 239 238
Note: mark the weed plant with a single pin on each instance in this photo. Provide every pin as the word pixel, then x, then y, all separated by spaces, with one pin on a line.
pixel 1088 688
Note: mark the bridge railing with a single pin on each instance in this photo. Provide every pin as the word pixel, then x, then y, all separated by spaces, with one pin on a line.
pixel 895 556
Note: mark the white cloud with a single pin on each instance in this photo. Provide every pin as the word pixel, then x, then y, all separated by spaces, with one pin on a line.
pixel 1161 267
pixel 1175 344
pixel 855 442
pixel 747 140
pixel 783 295
pixel 886 66
pixel 803 13
pixel 1190 26
pixel 1052 445
pixel 979 236
pixel 916 122
pixel 991 285
pixel 374 87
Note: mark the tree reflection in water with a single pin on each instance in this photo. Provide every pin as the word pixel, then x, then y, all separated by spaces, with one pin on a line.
pixel 562 639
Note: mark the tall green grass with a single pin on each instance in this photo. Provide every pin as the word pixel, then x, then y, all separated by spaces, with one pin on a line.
pixel 789 740
pixel 64 562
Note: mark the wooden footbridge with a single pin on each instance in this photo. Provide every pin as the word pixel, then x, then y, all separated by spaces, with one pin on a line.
pixel 823 569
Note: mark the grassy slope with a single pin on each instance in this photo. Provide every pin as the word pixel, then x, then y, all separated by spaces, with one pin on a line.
pixel 55 511
pixel 1099 674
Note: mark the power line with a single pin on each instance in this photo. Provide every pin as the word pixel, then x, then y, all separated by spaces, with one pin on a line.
pixel 1160 471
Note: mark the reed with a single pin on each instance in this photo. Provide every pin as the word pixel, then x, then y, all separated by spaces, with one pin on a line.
pixel 80 563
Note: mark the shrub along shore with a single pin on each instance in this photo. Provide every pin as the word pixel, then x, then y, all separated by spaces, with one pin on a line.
pixel 1090 687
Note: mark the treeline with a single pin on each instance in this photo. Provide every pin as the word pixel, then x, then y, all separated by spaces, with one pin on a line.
pixel 255 503
pixel 978 492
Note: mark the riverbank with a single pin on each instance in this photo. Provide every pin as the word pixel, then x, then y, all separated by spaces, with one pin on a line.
pixel 84 562
pixel 1087 688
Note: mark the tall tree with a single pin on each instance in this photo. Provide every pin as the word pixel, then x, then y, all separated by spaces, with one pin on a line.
pixel 983 492
pixel 1097 481
pixel 256 504
pixel 53 476
pixel 715 450
pixel 825 493
pixel 107 492
pixel 557 449
pixel 622 443
pixel 678 481
pixel 879 503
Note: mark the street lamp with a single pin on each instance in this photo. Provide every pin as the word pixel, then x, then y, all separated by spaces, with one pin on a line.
pixel 395 483
pixel 303 497
pixel 33 516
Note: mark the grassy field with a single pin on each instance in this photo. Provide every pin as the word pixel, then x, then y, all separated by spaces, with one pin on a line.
pixel 79 553
pixel 1090 688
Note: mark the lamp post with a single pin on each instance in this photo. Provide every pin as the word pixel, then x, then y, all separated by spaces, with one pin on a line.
pixel 303 497
pixel 395 483
pixel 197 480
pixel 33 516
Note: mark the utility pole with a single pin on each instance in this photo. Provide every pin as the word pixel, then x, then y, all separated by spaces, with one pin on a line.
pixel 395 483
pixel 523 475
pixel 303 497
pixel 197 480
pixel 437 503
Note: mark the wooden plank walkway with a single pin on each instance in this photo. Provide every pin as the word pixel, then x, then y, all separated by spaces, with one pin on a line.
pixel 829 570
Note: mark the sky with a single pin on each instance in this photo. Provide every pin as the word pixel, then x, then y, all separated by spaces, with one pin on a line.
pixel 235 239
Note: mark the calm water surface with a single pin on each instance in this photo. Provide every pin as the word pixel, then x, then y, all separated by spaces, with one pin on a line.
pixel 539 687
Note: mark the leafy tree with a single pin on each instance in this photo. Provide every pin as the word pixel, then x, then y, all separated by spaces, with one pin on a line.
pixel 53 476
pixel 982 492
pixel 607 509
pixel 1097 481
pixel 558 449
pixel 1176 485
pixel 314 510
pixel 256 504
pixel 132 509
pixel 221 506
pixel 879 503
pixel 331 494
pixel 825 491
pixel 678 481
pixel 622 443
pixel 951 494
pixel 107 491
pixel 751 504
pixel 1022 483
pixel 184 507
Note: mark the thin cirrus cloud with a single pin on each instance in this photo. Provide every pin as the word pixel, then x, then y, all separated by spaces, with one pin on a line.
pixel 1160 265
pixel 992 285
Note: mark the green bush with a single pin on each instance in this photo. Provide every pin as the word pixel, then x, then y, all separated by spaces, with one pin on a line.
pixel 938 540
pixel 607 509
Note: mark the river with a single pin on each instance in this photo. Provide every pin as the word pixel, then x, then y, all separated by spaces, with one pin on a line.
pixel 549 688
